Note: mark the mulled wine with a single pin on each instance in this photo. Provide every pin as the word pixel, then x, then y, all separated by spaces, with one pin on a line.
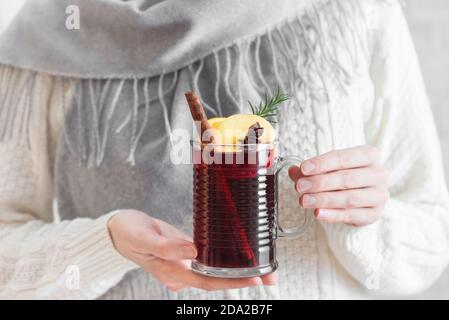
pixel 234 208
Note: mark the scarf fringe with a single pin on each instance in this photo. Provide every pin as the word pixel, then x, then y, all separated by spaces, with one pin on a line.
pixel 309 53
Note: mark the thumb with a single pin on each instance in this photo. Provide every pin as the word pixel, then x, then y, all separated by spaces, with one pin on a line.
pixel 294 172
pixel 168 248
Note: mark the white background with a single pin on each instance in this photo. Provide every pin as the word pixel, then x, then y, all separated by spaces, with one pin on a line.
pixel 429 23
pixel 7 10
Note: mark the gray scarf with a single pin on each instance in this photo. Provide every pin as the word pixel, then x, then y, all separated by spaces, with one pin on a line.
pixel 129 39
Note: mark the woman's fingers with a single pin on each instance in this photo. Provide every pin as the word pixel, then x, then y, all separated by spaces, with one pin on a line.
pixel 294 172
pixel 181 272
pixel 164 241
pixel 151 265
pixel 270 279
pixel 344 186
pixel 344 179
pixel 134 232
pixel 170 231
pixel 356 217
pixel 166 253
pixel 166 248
pixel 348 199
pixel 168 281
pixel 357 157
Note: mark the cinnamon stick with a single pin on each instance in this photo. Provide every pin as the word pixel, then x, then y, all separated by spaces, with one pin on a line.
pixel 198 114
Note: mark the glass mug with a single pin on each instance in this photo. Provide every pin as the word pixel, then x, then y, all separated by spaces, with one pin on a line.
pixel 235 209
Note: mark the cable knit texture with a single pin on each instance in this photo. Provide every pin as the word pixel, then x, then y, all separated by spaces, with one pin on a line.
pixel 384 105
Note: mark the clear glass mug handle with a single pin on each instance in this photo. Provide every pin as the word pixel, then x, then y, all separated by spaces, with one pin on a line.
pixel 285 162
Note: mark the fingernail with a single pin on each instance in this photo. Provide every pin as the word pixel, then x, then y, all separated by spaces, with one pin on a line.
pixel 304 185
pixel 308 201
pixel 188 252
pixel 308 167
pixel 323 215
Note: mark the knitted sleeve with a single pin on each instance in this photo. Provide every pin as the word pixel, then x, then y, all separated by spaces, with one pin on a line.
pixel 407 250
pixel 40 257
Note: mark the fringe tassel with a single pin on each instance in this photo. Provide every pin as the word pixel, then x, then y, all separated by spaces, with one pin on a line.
pixel 307 55
pixel 164 105
pixel 109 116
pixel 16 100
pixel 226 80
pixel 217 83
pixel 259 66
pixel 239 51
pixel 64 110
pixel 7 99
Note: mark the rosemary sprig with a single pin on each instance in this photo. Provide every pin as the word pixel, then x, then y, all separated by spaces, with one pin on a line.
pixel 268 108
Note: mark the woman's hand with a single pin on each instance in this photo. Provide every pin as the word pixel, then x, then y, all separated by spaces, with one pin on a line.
pixel 166 253
pixel 344 186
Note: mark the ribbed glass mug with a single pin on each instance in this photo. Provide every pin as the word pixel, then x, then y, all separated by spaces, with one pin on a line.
pixel 235 209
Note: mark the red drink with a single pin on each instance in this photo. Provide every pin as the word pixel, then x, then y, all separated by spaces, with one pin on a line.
pixel 235 192
pixel 234 207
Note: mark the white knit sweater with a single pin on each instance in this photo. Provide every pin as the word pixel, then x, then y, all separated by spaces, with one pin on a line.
pixel 403 253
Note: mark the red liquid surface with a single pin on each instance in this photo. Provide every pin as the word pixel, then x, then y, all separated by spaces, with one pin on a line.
pixel 234 210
